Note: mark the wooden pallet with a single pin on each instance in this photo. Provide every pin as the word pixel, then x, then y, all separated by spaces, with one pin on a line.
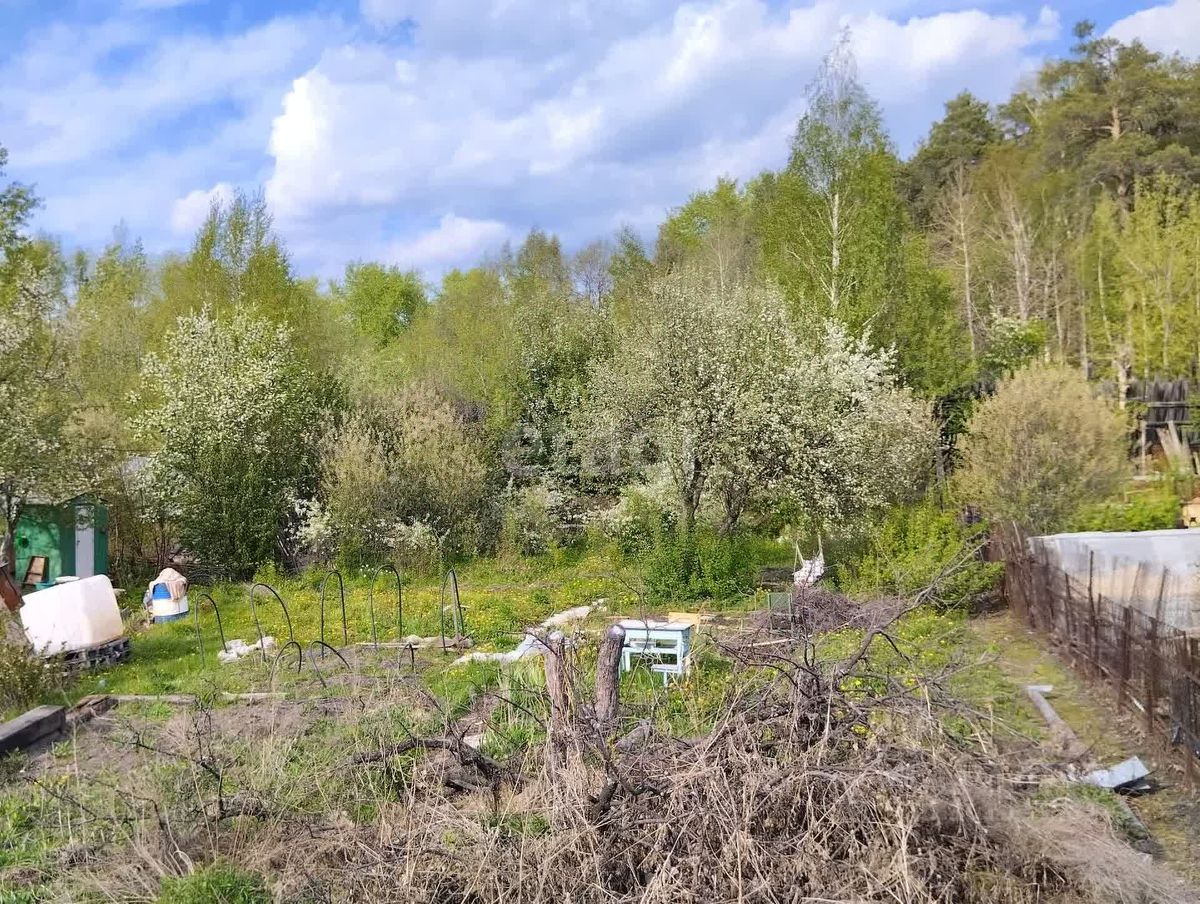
pixel 105 654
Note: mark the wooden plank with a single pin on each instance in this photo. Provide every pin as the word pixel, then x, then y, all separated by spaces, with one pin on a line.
pixel 31 727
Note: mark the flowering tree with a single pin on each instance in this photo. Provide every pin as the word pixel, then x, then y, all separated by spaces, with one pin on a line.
pixel 714 382
pixel 230 415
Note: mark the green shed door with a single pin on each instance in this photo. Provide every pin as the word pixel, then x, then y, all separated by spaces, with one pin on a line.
pixel 46 530
pixel 100 523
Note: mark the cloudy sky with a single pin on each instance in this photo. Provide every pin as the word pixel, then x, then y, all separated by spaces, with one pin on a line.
pixel 427 133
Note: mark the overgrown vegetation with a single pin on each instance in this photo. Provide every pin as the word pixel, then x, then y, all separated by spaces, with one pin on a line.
pixel 878 357
pixel 1044 445
pixel 763 357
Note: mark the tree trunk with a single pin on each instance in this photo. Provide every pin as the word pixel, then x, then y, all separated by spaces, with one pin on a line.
pixel 13 507
pixel 692 491
pixel 835 251
pixel 733 497
pixel 608 679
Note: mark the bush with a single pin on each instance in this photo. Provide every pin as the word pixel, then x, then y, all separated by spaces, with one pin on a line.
pixel 1040 448
pixel 403 469
pixel 701 565
pixel 214 885
pixel 535 520
pixel 1156 509
pixel 912 546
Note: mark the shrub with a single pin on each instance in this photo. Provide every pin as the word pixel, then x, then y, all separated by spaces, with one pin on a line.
pixel 1041 447
pixel 912 546
pixel 634 523
pixel 214 885
pixel 25 678
pixel 535 520
pixel 1156 509
pixel 702 564
pixel 403 468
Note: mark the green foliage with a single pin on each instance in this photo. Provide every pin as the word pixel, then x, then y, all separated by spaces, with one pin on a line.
pixel 914 546
pixel 381 301
pixel 1040 448
pixel 25 678
pixel 230 412
pixel 404 476
pixel 1011 345
pixel 1143 272
pixel 836 236
pixel 218 884
pixel 1153 509
pixel 535 520
pixel 700 564
pixel 956 142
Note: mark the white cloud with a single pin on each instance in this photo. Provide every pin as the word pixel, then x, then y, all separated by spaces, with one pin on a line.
pixel 61 105
pixel 624 125
pixel 188 212
pixel 454 242
pixel 430 132
pixel 1169 28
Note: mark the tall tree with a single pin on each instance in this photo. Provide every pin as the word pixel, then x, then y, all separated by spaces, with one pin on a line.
pixel 835 234
pixel 955 146
pixel 380 301
pixel 237 263
pixel 41 454
pixel 1113 112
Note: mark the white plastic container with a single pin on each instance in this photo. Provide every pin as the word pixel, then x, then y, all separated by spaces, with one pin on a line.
pixel 78 615
pixel 164 610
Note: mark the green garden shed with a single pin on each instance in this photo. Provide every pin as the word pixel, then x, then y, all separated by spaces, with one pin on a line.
pixel 72 535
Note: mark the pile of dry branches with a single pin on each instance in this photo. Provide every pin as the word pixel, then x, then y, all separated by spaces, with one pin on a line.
pixel 817 781
pixel 804 789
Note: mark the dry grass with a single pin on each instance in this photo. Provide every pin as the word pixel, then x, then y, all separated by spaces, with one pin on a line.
pixel 818 781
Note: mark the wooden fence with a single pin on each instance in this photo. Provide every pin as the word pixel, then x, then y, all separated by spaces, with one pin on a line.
pixel 1150 664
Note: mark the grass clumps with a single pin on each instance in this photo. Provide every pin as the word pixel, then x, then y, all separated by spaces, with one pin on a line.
pixel 217 884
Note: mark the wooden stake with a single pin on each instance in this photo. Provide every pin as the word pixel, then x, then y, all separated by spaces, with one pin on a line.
pixel 560 700
pixel 608 679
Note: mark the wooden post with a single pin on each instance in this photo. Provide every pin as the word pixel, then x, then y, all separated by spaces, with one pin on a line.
pixel 608 679
pixel 1126 632
pixel 560 699
pixel 1151 657
pixel 1185 711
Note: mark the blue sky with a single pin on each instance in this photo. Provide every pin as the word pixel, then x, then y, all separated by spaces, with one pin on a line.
pixel 429 133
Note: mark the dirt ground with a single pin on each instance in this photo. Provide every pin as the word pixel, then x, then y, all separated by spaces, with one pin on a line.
pixel 1171 812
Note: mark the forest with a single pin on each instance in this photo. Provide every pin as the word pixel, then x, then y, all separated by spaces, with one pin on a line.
pixel 795 355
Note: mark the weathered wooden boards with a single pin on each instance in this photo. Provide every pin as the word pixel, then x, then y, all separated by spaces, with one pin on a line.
pixel 29 728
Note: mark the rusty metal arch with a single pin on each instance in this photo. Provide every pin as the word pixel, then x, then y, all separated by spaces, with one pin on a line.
pixel 286 614
pixel 399 603
pixel 333 573
pixel 451 581
pixel 200 597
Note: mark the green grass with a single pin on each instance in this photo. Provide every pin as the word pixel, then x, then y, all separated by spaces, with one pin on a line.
pixel 214 885
pixel 500 596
